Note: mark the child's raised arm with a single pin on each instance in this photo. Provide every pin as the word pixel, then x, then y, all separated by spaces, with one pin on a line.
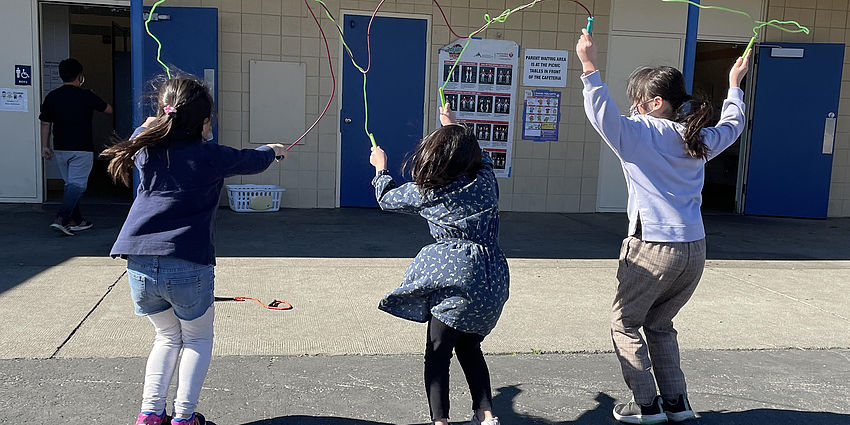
pixel 447 116
pixel 406 198
pixel 731 123
pixel 600 108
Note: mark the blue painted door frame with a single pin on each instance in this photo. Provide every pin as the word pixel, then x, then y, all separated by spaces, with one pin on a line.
pixel 788 174
pixel 396 94
pixel 136 45
pixel 691 46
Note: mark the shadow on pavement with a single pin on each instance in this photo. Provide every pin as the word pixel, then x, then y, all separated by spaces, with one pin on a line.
pixel 772 417
pixel 314 420
pixel 505 409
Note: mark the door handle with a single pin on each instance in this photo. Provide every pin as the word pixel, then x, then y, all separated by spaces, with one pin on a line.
pixel 829 134
pixel 348 120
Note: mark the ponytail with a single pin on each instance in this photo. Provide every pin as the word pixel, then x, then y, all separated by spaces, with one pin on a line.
pixel 122 155
pixel 701 115
pixel 184 104
pixel 669 84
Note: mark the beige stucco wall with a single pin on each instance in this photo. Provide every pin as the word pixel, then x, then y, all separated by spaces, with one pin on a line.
pixel 557 176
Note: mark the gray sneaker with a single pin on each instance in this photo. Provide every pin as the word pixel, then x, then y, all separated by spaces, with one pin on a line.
pixel 680 410
pixel 634 413
pixel 64 230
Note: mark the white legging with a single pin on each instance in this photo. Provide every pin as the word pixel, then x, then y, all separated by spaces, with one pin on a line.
pixel 195 337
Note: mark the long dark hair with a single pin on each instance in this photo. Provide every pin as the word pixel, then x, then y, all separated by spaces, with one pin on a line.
pixel 444 156
pixel 192 105
pixel 695 113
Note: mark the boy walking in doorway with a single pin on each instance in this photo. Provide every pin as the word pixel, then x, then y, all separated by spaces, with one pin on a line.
pixel 68 110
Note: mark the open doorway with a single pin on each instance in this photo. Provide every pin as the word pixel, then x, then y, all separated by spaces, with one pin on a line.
pixel 98 37
pixel 711 79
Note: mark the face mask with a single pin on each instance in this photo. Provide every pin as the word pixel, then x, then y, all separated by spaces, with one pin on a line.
pixel 633 111
pixel 83 80
pixel 208 136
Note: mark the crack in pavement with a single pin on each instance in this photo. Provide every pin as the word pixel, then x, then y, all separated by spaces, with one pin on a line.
pixel 782 294
pixel 842 354
pixel 96 305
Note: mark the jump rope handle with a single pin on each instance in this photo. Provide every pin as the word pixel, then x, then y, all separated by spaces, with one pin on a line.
pixel 590 24
pixel 278 158
pixel 749 46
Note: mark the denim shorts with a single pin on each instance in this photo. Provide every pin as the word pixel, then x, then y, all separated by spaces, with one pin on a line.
pixel 158 283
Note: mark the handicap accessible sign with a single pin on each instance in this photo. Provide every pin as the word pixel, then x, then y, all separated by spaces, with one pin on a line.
pixel 23 75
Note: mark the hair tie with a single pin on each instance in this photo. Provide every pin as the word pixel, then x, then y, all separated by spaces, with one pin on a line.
pixel 168 109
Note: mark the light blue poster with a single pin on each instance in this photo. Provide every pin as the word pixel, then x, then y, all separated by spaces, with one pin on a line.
pixel 541 115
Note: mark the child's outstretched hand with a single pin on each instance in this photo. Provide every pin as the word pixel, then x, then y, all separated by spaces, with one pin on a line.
pixel 447 116
pixel 378 158
pixel 586 51
pixel 279 150
pixel 739 70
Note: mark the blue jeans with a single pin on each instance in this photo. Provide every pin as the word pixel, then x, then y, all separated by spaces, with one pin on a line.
pixel 177 297
pixel 74 167
pixel 158 283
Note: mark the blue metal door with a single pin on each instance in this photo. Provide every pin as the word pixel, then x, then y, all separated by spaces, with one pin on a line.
pixel 396 90
pixel 797 88
pixel 189 37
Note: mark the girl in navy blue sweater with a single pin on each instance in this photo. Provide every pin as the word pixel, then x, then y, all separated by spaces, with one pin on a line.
pixel 167 238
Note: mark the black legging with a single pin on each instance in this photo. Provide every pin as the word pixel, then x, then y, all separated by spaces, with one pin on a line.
pixel 438 354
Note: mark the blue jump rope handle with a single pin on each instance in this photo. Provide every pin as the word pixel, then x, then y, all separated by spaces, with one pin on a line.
pixel 590 24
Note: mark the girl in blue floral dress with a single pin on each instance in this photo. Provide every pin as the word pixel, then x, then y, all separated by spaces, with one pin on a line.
pixel 459 284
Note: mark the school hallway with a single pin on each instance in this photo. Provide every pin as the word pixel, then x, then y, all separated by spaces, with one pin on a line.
pixel 765 339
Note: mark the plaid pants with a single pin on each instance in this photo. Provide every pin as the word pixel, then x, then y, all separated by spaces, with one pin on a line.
pixel 654 281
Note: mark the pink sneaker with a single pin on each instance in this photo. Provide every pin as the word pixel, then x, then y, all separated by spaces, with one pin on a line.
pixel 153 419
pixel 196 419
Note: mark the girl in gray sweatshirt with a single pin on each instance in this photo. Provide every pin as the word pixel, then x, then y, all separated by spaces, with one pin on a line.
pixel 663 147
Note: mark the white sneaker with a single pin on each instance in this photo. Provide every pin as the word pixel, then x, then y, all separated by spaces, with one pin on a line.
pixel 63 230
pixel 492 421
pixel 83 225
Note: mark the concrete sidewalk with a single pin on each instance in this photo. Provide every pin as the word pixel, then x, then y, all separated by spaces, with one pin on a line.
pixel 58 304
pixel 70 338
pixel 555 306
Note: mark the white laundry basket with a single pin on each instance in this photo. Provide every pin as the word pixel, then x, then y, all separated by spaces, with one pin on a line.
pixel 254 197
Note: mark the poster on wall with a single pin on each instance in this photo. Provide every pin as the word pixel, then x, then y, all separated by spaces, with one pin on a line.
pixel 545 68
pixel 541 115
pixel 50 77
pixel 481 91
pixel 13 100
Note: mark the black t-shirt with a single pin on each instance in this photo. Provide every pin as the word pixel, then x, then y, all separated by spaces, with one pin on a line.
pixel 70 109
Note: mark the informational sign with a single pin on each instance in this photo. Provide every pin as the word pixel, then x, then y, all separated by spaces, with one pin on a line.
pixel 50 79
pixel 541 115
pixel 13 100
pixel 482 91
pixel 545 68
pixel 23 75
